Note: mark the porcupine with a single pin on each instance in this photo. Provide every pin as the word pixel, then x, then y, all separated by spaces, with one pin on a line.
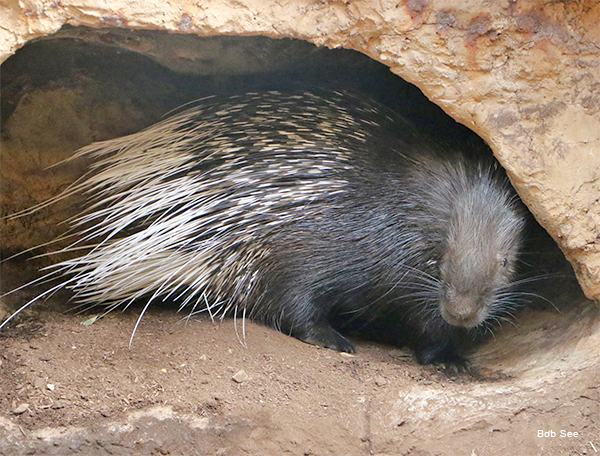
pixel 298 210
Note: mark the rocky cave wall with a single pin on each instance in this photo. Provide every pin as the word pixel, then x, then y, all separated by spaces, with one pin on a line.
pixel 524 75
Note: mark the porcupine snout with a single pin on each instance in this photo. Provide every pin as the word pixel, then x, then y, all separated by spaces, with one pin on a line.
pixel 463 309
pixel 468 281
pixel 481 255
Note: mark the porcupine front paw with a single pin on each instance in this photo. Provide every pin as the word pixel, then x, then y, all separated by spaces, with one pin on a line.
pixel 324 335
pixel 442 353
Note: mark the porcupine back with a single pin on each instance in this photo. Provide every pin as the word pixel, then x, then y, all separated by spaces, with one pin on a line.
pixel 295 209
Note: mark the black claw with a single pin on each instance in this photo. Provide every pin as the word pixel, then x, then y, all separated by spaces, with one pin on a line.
pixel 442 354
pixel 326 336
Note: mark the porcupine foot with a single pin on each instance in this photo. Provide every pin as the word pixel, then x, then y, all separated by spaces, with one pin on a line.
pixel 323 335
pixel 442 353
pixel 304 315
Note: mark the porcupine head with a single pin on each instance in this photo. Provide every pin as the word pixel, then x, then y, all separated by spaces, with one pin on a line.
pixel 479 228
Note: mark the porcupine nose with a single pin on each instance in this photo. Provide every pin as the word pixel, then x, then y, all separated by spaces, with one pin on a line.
pixel 462 310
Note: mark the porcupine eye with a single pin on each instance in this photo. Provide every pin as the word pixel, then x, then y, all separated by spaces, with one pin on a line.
pixel 504 262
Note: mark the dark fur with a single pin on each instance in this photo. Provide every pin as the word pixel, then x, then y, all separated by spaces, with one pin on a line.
pixel 373 258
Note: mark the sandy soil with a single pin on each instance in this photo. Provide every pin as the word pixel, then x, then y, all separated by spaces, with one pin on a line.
pixel 192 387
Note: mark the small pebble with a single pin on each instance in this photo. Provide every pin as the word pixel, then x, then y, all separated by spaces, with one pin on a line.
pixel 91 320
pixel 21 409
pixel 380 381
pixel 240 376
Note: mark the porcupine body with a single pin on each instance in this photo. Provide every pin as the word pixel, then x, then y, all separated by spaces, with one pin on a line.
pixel 297 210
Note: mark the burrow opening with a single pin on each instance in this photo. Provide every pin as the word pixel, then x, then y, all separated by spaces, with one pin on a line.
pixel 81 85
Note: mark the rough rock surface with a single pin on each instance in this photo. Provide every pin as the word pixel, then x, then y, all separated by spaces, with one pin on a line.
pixel 524 75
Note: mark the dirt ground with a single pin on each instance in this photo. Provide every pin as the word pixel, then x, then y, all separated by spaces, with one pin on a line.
pixel 193 388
